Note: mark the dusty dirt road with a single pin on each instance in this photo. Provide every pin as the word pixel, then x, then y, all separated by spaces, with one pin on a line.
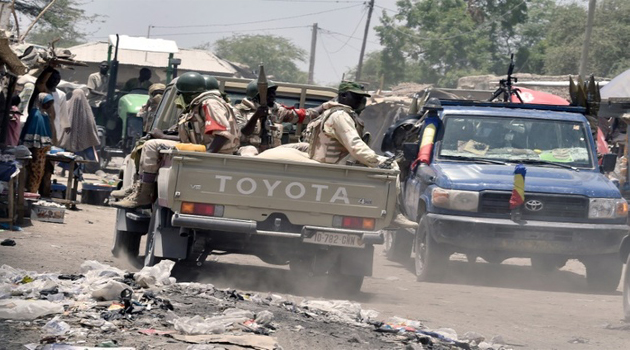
pixel 529 310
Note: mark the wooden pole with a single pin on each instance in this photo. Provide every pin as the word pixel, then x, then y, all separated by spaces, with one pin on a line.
pixel 311 65
pixel 365 34
pixel 587 38
pixel 37 19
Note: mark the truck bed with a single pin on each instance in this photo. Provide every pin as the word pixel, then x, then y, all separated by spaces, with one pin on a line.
pixel 250 188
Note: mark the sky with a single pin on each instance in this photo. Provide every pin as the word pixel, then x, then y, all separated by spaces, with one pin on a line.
pixel 195 22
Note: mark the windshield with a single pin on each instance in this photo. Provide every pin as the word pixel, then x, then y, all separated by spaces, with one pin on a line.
pixel 516 139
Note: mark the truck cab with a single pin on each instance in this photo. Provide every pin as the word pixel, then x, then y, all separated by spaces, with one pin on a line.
pixel 460 191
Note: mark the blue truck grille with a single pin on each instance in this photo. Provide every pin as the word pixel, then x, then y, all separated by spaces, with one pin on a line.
pixel 552 207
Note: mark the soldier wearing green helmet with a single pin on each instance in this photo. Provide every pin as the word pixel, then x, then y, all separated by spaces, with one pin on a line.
pixel 206 120
pixel 250 112
pixel 337 134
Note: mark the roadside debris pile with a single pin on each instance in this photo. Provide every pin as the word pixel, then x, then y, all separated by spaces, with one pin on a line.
pixel 107 307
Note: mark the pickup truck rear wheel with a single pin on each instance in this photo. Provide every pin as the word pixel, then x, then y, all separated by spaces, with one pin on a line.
pixel 547 263
pixel 400 246
pixel 626 290
pixel 346 284
pixel 430 257
pixel 126 243
pixel 603 272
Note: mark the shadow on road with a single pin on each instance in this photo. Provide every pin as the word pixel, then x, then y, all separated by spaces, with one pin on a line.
pixel 262 279
pixel 512 276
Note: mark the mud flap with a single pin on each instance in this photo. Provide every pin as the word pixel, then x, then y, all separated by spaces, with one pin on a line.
pixel 169 244
pixel 356 262
pixel 124 223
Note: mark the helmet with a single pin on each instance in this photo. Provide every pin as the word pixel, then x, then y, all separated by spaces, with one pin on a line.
pixel 252 87
pixel 191 83
pixel 156 87
pixel 211 82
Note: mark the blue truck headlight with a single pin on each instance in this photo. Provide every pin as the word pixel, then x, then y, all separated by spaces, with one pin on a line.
pixel 607 208
pixel 455 199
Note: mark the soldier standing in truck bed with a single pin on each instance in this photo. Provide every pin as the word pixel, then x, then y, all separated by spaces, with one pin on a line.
pixel 208 120
pixel 250 113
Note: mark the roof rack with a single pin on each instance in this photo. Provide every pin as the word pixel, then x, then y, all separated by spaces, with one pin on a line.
pixel 556 108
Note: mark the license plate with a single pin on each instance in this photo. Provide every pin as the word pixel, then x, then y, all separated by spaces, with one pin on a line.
pixel 336 239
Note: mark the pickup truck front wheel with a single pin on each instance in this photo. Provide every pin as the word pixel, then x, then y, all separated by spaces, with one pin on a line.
pixel 430 257
pixel 626 291
pixel 603 272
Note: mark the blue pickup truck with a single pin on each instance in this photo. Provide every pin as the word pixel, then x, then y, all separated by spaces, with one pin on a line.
pixel 460 192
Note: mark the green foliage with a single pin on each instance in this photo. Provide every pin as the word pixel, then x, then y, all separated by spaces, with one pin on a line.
pixel 439 41
pixel 62 20
pixel 279 55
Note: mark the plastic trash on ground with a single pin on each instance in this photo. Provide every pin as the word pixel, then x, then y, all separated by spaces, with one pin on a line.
pixel 344 310
pixel 17 309
pixel 156 275
pixel 56 327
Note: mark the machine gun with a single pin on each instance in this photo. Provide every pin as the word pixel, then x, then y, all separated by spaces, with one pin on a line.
pixel 505 86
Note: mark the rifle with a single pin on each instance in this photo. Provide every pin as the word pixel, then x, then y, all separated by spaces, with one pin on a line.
pixel 265 139
pixel 505 85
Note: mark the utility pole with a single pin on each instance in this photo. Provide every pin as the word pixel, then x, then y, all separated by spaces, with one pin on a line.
pixel 365 34
pixel 587 38
pixel 311 64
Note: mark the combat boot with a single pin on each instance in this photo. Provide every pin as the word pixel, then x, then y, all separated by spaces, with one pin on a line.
pixel 400 221
pixel 141 196
pixel 124 192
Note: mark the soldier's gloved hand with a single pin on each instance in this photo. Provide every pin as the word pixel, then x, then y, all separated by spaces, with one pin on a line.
pixel 387 163
pixel 261 111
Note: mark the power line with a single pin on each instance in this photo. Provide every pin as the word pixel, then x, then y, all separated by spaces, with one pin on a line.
pixel 351 35
pixel 231 31
pixel 256 22
pixel 385 8
pixel 341 41
pixel 346 35
pixel 332 65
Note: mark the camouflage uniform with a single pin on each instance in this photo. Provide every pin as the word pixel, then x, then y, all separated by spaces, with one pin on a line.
pixel 336 134
pixel 209 116
pixel 277 114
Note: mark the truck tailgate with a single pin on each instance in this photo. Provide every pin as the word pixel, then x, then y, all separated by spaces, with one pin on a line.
pixel 252 188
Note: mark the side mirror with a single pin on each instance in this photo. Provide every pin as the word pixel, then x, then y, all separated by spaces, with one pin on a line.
pixel 608 162
pixel 410 150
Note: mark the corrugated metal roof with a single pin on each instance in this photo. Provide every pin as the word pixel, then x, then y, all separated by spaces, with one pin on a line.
pixel 144 44
pixel 192 60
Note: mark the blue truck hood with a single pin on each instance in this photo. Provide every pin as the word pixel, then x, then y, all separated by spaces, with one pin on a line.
pixel 479 177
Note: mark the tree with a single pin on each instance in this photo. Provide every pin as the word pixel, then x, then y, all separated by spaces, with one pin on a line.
pixel 279 55
pixel 62 20
pixel 609 52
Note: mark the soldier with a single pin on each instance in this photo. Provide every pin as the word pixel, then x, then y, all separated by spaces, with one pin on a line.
pixel 207 120
pixel 147 112
pixel 337 134
pixel 250 113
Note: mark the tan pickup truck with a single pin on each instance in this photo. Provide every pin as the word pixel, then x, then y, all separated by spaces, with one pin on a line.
pixel 320 219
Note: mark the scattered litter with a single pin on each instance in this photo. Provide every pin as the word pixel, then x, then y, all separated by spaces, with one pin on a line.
pixel 155 332
pixel 254 341
pixel 8 242
pixel 109 291
pixel 17 309
pixel 56 327
pixel 74 347
pixel 159 275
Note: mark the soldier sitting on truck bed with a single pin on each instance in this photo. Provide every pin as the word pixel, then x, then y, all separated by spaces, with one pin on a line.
pixel 208 120
pixel 250 112
pixel 337 134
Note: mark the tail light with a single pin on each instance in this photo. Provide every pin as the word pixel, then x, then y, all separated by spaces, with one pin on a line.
pixel 353 222
pixel 201 209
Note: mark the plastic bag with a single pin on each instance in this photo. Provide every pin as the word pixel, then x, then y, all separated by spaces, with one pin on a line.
pixel 156 275
pixel 17 309
pixel 109 291
pixel 56 327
